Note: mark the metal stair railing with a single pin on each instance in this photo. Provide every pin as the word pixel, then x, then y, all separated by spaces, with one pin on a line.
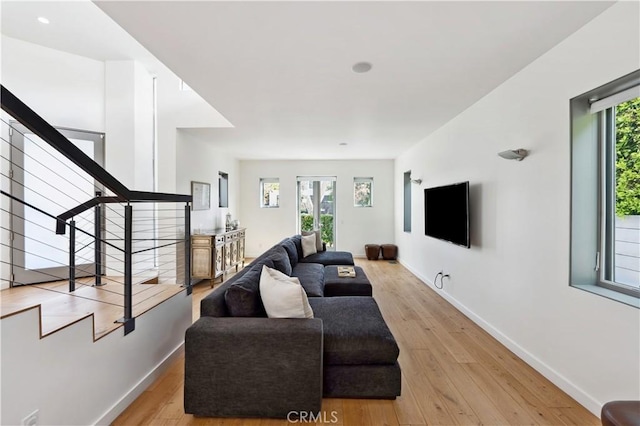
pixel 103 206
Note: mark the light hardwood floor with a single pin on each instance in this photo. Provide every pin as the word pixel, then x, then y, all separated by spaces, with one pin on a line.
pixel 453 373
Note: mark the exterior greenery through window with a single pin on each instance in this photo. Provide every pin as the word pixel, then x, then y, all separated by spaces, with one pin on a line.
pixel 316 204
pixel 326 228
pixel 628 158
pixel 269 192
pixel 622 236
pixel 362 191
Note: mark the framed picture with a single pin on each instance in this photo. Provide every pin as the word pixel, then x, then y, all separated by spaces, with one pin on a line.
pixel 201 193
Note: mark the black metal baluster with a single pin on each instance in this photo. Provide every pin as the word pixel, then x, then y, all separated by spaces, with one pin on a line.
pixel 128 320
pixel 187 248
pixel 97 249
pixel 72 256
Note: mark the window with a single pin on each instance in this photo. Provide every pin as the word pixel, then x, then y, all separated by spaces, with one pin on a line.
pixel 362 192
pixel 407 201
pixel 269 192
pixel 223 189
pixel 605 204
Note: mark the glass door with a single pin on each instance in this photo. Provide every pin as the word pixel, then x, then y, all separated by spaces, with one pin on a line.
pixel 316 207
pixel 48 182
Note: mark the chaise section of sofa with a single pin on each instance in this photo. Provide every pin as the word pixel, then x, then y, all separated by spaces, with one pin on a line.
pixel 253 367
pixel 360 353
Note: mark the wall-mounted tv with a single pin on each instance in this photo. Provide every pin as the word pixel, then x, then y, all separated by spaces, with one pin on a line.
pixel 446 213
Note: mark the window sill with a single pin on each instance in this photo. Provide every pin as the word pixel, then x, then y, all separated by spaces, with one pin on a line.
pixel 610 294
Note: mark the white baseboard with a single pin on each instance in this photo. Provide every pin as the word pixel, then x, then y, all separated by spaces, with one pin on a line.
pixel 556 378
pixel 140 387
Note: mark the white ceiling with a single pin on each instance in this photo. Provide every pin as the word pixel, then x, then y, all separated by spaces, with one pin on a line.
pixel 280 72
pixel 77 27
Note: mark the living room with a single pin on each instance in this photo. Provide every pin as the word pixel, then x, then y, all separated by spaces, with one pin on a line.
pixel 513 281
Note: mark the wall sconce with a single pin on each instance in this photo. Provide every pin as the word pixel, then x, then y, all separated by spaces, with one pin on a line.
pixel 416 181
pixel 514 154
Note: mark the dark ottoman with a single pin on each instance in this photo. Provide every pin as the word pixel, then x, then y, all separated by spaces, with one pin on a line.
pixel 389 251
pixel 620 413
pixel 345 286
pixel 372 251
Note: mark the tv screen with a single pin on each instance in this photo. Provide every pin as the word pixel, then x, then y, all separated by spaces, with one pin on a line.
pixel 446 213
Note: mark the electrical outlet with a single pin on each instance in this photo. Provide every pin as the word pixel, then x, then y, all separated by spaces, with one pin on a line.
pixel 31 419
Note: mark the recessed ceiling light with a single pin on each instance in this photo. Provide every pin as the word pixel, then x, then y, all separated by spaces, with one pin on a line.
pixel 343 144
pixel 361 67
pixel 43 20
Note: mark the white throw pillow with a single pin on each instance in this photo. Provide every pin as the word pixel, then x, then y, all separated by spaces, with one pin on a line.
pixel 319 245
pixel 309 245
pixel 282 295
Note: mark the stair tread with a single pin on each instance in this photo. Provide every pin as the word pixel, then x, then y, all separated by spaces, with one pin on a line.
pixel 59 308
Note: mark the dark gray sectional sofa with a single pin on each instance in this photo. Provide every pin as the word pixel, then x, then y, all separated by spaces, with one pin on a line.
pixel 239 363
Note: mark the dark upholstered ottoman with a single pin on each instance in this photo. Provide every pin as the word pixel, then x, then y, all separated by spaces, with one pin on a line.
pixel 329 258
pixel 345 286
pixel 389 251
pixel 372 251
pixel 360 353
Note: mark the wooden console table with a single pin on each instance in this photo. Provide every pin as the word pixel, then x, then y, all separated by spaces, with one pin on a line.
pixel 214 253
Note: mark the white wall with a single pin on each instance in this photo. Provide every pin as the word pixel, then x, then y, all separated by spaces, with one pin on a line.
pixel 73 380
pixel 178 109
pixel 199 161
pixel 66 90
pixel 355 226
pixel 514 281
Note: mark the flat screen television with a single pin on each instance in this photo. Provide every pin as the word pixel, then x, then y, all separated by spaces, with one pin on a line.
pixel 446 213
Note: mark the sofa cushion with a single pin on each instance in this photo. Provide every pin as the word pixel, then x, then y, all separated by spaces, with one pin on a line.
pixel 243 297
pixel 297 241
pixel 280 260
pixel 329 258
pixel 243 302
pixel 354 331
pixel 292 251
pixel 311 276
pixel 309 245
pixel 283 296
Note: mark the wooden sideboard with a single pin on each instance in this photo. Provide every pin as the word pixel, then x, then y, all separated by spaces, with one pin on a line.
pixel 214 253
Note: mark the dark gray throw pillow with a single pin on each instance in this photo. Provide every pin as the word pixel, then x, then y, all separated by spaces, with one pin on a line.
pixel 290 247
pixel 281 261
pixel 244 302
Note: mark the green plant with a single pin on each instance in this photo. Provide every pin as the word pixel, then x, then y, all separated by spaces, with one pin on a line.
pixel 327 229
pixel 306 222
pixel 326 220
pixel 628 158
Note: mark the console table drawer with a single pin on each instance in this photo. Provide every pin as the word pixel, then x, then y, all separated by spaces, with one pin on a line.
pixel 201 241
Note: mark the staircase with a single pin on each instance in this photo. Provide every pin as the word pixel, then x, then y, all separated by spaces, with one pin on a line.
pixel 80 243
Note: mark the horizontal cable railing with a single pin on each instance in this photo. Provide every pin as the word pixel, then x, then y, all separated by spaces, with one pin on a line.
pixel 68 219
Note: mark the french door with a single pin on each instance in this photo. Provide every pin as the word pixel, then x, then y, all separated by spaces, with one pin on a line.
pixel 317 207
pixel 47 182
